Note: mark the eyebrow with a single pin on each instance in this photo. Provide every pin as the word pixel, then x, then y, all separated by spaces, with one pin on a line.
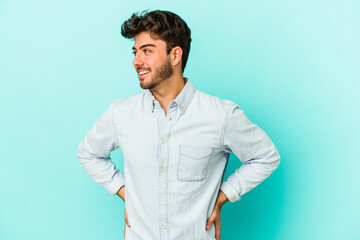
pixel 143 46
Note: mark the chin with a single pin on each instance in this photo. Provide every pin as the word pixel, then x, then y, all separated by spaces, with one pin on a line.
pixel 145 85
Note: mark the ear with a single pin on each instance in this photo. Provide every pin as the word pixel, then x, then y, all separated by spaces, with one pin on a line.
pixel 176 55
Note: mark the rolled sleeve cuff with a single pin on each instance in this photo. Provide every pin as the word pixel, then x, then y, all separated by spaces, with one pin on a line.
pixel 230 192
pixel 117 182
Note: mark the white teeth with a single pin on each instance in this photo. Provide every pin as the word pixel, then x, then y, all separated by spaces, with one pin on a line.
pixel 143 72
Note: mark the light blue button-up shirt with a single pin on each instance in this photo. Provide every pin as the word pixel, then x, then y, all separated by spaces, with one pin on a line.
pixel 174 164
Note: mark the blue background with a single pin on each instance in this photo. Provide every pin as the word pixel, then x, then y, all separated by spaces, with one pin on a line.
pixel 292 66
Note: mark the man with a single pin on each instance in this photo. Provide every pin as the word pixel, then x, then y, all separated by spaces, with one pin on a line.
pixel 175 140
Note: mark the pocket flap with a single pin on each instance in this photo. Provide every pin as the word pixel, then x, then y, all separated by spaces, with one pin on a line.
pixel 195 152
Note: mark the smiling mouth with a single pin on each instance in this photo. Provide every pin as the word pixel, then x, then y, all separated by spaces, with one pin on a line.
pixel 143 73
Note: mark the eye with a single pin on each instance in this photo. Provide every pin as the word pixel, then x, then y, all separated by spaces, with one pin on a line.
pixel 147 51
pixel 134 53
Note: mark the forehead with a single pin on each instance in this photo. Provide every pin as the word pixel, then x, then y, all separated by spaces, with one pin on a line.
pixel 145 38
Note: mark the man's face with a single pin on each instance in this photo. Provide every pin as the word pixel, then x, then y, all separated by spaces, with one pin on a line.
pixel 151 61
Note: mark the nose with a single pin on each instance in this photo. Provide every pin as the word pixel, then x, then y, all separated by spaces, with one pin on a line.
pixel 137 60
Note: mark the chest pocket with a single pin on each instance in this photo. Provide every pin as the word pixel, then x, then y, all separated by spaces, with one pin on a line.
pixel 193 163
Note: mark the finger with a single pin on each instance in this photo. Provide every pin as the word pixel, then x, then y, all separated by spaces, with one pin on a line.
pixel 126 218
pixel 217 230
pixel 124 231
pixel 210 221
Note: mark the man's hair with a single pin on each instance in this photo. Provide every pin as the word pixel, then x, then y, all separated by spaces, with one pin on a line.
pixel 163 25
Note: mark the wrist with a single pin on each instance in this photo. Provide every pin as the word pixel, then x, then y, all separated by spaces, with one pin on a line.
pixel 221 199
pixel 121 192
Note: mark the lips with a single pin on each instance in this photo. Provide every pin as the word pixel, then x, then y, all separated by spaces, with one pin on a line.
pixel 143 72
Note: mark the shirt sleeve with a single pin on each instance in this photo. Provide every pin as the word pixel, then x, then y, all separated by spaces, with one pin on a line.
pixel 94 153
pixel 254 149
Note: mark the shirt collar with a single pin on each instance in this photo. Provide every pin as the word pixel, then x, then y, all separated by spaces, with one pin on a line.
pixel 182 100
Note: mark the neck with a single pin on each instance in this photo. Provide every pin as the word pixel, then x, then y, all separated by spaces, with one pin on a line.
pixel 168 90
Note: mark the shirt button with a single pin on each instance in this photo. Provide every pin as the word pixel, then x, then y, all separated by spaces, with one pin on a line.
pixel 162 199
pixel 162 169
pixel 163 227
pixel 182 109
pixel 161 118
pixel 162 141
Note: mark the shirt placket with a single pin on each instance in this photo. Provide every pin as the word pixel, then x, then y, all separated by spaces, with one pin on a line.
pixel 164 123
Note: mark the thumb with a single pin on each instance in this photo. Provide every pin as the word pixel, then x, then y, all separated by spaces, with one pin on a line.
pixel 210 221
pixel 126 218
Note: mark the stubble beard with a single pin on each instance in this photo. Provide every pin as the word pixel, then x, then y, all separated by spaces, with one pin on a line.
pixel 162 73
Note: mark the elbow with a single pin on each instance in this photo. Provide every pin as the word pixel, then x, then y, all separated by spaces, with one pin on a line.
pixel 273 160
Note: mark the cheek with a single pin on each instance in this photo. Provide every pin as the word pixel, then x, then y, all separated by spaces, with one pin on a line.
pixel 156 62
pixel 153 62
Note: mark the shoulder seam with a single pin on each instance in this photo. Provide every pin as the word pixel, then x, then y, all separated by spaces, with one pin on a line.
pixel 229 108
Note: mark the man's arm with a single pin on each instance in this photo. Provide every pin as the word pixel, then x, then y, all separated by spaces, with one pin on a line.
pixel 94 153
pixel 258 154
pixel 254 148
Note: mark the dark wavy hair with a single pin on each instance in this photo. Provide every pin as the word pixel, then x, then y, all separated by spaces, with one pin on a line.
pixel 163 25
